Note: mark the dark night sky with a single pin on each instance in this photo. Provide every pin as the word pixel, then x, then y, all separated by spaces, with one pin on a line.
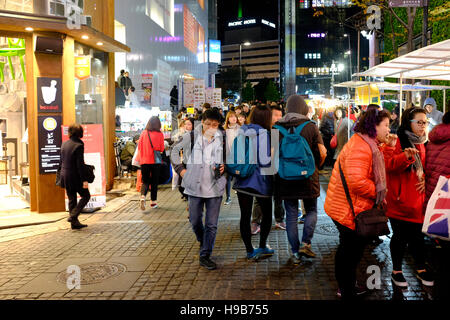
pixel 227 10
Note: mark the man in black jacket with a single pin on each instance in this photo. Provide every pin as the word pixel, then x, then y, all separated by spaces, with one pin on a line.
pixel 327 131
pixel 73 174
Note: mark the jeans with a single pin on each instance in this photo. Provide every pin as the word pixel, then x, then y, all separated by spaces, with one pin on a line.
pixel 291 206
pixel 278 211
pixel 405 234
pixel 229 179
pixel 348 254
pixel 74 208
pixel 206 234
pixel 246 203
pixel 150 177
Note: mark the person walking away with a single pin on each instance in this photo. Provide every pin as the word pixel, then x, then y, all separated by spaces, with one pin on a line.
pixel 232 128
pixel 327 130
pixel 291 191
pixel 120 96
pixel 433 114
pixel 257 185
pixel 73 174
pixel 437 164
pixel 279 212
pixel 343 134
pixel 132 96
pixel 405 163
pixel 151 140
pixel 203 181
pixel 119 78
pixel 362 164
pixel 174 99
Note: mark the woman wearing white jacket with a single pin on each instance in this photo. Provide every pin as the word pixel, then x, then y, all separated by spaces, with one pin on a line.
pixel 232 129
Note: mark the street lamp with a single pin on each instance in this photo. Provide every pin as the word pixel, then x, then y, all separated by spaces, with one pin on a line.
pixel 246 43
pixel 349 52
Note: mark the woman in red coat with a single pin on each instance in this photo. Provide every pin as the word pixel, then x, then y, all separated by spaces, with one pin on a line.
pixel 405 162
pixel 151 140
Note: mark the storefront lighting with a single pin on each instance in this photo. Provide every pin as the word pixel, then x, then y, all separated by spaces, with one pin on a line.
pixel 85 37
pixel 99 43
pixel 29 29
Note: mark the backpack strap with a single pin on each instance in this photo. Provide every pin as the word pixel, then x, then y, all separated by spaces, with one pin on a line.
pixel 299 129
pixel 282 129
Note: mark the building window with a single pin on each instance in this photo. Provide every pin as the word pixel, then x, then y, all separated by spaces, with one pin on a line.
pixel 304 4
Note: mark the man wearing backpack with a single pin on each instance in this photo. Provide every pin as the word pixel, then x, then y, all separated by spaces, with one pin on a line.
pixel 203 181
pixel 298 175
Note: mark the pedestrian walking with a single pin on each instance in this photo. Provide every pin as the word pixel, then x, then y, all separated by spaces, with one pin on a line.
pixel 150 142
pixel 291 191
pixel 405 163
pixel 232 128
pixel 73 174
pixel 125 83
pixel 257 185
pixel 327 130
pixel 362 164
pixel 202 171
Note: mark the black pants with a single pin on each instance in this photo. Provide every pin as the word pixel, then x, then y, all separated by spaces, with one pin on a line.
pixel 150 177
pixel 407 234
pixel 348 254
pixel 330 151
pixel 246 204
pixel 443 275
pixel 74 208
pixel 278 211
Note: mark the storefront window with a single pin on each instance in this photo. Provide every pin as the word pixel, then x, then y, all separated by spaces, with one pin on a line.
pixel 91 75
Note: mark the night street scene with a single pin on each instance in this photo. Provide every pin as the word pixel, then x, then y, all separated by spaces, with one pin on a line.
pixel 225 159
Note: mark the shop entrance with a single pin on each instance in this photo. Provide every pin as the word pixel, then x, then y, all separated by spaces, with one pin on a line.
pixel 14 162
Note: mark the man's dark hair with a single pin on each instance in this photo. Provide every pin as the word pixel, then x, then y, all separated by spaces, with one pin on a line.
pixel 76 131
pixel 276 107
pixel 122 71
pixel 206 106
pixel 212 114
pixel 154 124
pixel 133 89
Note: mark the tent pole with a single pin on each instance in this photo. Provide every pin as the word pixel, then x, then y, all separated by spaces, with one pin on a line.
pixel 348 119
pixel 401 94
pixel 444 101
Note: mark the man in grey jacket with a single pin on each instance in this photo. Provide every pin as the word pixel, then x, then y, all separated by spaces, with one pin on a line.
pixel 433 114
pixel 203 181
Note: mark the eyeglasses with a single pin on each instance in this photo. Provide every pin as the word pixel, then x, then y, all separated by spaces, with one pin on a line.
pixel 420 123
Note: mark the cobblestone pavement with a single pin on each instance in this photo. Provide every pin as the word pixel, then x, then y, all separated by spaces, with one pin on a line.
pixel 129 254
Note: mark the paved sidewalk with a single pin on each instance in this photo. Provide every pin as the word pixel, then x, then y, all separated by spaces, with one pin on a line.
pixel 129 254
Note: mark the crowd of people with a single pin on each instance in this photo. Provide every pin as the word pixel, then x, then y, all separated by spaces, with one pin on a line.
pixel 386 162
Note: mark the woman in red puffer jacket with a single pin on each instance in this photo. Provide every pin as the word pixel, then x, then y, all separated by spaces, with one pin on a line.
pixel 405 163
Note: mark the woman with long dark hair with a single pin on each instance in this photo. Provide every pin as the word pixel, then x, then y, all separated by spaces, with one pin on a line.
pixel 151 140
pixel 405 163
pixel 257 186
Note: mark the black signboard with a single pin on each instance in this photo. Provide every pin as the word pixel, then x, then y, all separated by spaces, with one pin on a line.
pixel 49 133
pixel 49 95
pixel 407 3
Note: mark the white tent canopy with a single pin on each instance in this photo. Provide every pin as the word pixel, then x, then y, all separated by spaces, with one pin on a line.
pixel 390 86
pixel 429 63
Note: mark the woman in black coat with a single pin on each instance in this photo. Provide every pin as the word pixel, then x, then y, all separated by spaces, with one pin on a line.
pixel 73 174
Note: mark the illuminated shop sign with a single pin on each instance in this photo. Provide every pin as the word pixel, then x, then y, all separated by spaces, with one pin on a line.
pixel 242 22
pixel 270 24
pixel 214 51
pixel 316 35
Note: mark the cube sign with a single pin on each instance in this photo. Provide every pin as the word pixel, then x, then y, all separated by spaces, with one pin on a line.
pixel 83 67
pixel 214 51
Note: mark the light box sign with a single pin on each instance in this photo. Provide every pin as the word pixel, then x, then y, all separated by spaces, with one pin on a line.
pixel 83 67
pixel 242 22
pixel 270 24
pixel 214 51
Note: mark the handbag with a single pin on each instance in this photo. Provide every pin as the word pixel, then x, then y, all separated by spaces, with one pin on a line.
pixel 89 170
pixel 136 160
pixel 333 142
pixel 436 223
pixel 157 154
pixel 369 223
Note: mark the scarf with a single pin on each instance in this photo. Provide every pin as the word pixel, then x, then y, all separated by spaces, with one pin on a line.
pixel 379 170
pixel 413 140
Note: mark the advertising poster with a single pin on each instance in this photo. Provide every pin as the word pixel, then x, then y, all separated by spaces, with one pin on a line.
pixel 164 71
pixel 188 93
pixel 199 93
pixel 82 67
pixel 49 95
pixel 209 95
pixel 94 155
pixel 147 86
pixel 217 98
pixel 49 143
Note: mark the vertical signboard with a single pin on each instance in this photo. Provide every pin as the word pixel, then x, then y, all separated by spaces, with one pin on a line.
pixel 217 98
pixel 82 67
pixel 188 93
pixel 147 87
pixel 199 93
pixel 93 155
pixel 49 95
pixel 49 135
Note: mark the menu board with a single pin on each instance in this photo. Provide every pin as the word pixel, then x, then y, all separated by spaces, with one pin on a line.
pixel 50 139
pixel 147 86
pixel 188 93
pixel 217 98
pixel 199 93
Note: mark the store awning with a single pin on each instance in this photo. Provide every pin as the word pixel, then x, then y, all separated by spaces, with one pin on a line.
pixel 429 63
pixel 15 23
pixel 390 86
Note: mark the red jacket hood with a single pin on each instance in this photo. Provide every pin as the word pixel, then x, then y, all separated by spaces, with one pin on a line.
pixel 440 134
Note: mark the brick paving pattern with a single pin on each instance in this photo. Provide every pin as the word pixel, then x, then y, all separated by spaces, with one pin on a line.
pixel 160 253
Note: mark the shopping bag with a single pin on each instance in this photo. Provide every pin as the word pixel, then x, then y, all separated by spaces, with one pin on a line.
pixel 437 215
pixel 139 181
pixel 136 159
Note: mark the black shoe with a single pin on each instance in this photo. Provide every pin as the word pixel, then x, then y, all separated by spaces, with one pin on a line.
pixel 399 280
pixel 426 278
pixel 207 263
pixel 77 225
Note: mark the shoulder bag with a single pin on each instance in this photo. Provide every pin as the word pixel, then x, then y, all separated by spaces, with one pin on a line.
pixel 369 223
pixel 157 154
